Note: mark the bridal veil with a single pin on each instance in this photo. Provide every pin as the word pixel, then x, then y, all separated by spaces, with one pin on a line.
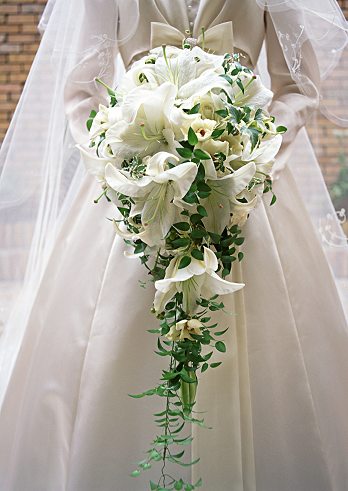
pixel 40 166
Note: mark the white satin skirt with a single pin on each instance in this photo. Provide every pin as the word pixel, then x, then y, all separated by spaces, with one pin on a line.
pixel 278 404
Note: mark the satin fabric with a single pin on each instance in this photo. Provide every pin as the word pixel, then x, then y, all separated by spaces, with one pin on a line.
pixel 277 404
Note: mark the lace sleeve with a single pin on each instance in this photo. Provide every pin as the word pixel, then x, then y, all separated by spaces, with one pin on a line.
pixel 95 58
pixel 290 106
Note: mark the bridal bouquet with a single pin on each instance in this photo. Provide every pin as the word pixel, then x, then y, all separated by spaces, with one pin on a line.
pixel 184 151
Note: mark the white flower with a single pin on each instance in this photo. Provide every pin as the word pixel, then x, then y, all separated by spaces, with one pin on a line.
pixel 96 165
pixel 104 119
pixel 154 193
pixel 240 210
pixel 209 103
pixel 214 146
pixel 197 280
pixel 223 190
pixel 203 128
pixel 183 330
pixel 145 114
pixel 263 155
pixel 255 93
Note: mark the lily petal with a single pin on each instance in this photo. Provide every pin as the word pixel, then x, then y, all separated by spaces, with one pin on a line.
pixel 118 181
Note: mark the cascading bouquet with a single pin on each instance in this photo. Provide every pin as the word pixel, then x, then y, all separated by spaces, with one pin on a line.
pixel 184 151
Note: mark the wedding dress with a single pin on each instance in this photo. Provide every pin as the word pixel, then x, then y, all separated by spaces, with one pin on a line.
pixel 278 403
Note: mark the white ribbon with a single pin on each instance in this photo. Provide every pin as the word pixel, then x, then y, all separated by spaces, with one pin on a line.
pixel 217 39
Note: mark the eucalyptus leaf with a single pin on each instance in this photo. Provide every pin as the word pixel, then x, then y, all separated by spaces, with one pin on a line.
pixel 220 346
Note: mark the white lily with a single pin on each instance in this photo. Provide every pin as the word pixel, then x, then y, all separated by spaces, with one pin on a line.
pixel 183 330
pixel 104 119
pixel 180 67
pixel 240 211
pixel 146 113
pixel 197 280
pixel 96 165
pixel 154 192
pixel 223 189
pixel 255 93
pixel 263 155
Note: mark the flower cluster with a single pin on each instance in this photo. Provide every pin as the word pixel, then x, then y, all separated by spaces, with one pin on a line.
pixel 185 151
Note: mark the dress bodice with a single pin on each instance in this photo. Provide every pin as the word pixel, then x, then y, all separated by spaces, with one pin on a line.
pixel 192 10
pixel 192 15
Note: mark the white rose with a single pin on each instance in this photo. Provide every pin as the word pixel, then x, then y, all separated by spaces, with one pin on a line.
pixel 214 146
pixel 203 128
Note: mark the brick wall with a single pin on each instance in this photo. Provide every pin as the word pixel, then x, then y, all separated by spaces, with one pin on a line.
pixel 18 43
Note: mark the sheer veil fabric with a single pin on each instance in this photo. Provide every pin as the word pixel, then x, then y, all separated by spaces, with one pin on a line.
pixel 70 350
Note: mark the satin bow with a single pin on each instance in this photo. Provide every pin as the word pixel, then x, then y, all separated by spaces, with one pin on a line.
pixel 218 39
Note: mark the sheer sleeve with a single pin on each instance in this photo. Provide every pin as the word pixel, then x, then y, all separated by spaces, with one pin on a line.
pixel 290 106
pixel 96 57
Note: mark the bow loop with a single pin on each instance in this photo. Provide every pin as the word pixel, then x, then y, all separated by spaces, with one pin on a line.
pixel 217 39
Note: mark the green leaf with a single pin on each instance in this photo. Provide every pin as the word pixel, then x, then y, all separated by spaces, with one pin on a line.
pixel 195 109
pixel 216 364
pixel 235 114
pixel 258 115
pixel 227 242
pixel 191 198
pixel 178 485
pixel 153 486
pixel 198 234
pixel 201 155
pixel 150 392
pixel 178 455
pixel 89 121
pixel 199 483
pixel 192 137
pixel 214 237
pixel 228 259
pixel 202 211
pixel 196 218
pixel 202 186
pixel 222 112
pixel 253 135
pixel 240 84
pixel 183 242
pixel 207 356
pixel 274 199
pixel 136 473
pixel 184 262
pixel 281 129
pixel 220 333
pixel 184 226
pixel 205 367
pixel 217 133
pixel 197 254
pixel 228 78
pixel 240 256
pixel 239 241
pixel 220 346
pixel 186 153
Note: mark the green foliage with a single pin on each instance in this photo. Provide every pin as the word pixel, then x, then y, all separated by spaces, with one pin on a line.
pixel 191 355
